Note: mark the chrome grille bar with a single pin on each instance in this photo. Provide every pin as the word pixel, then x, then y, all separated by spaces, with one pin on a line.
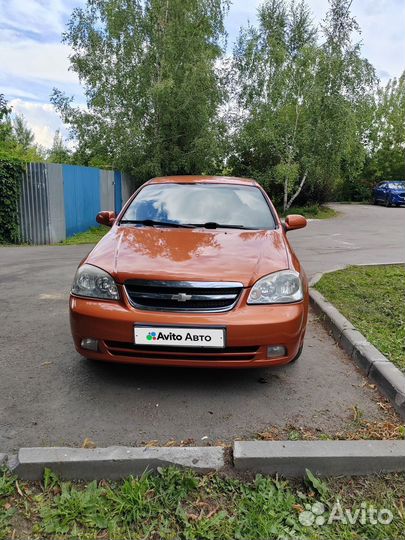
pixel 196 296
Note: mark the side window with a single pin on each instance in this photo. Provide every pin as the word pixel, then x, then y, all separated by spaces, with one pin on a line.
pixel 382 185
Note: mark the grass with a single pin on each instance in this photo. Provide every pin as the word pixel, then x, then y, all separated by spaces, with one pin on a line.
pixel 314 211
pixel 372 298
pixel 92 236
pixel 176 503
pixel 7 244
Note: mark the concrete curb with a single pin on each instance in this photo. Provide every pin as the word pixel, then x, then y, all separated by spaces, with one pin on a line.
pixel 114 462
pixel 389 379
pixel 322 458
pixel 287 458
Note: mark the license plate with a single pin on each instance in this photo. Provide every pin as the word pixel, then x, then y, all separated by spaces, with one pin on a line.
pixel 175 336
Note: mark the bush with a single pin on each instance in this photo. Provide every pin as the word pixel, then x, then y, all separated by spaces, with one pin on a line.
pixel 10 184
pixel 352 189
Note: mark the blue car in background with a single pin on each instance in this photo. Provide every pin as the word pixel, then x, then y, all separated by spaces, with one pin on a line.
pixel 389 193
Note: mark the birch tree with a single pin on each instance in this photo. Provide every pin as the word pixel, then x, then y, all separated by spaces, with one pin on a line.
pixel 148 73
pixel 300 91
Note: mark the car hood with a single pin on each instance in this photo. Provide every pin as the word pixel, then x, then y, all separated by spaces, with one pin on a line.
pixel 190 254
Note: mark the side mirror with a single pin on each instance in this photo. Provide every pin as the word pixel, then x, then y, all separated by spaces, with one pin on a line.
pixel 106 218
pixel 294 221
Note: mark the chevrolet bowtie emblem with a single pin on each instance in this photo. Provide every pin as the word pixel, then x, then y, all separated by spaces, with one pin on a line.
pixel 181 297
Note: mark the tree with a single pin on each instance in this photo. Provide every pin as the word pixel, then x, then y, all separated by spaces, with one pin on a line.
pixel 300 101
pixel 6 131
pixel 16 139
pixel 345 91
pixel 148 70
pixel 275 66
pixel 22 133
pixel 58 153
pixel 386 143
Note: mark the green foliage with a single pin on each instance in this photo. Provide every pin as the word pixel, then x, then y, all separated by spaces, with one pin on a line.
pixel 148 70
pixel 59 153
pixel 23 134
pixel 264 511
pixel 318 485
pixel 314 211
pixel 386 159
pixel 5 518
pixel 6 129
pixel 221 525
pixel 296 107
pixel 177 503
pixel 10 181
pixel 51 480
pixel 74 509
pixel 7 484
pixel 16 139
pixel 368 297
pixel 304 105
pixel 7 489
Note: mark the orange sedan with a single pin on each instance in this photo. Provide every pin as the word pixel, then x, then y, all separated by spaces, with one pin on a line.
pixel 196 271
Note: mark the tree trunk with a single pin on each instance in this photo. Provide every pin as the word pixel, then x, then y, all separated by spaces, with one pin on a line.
pixel 285 194
pixel 289 203
pixel 286 206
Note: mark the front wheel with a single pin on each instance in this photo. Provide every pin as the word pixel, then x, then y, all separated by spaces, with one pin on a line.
pixel 297 355
pixel 375 201
pixel 388 202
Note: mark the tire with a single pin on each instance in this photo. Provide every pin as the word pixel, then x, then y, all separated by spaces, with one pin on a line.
pixel 388 202
pixel 297 355
pixel 375 202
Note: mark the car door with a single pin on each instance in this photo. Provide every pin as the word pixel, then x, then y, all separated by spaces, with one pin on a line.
pixel 380 191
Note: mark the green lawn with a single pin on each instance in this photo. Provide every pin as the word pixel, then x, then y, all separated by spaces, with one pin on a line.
pixel 180 504
pixel 373 299
pixel 92 236
pixel 314 211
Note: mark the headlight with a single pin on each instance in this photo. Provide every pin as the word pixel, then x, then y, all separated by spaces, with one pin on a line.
pixel 282 287
pixel 95 283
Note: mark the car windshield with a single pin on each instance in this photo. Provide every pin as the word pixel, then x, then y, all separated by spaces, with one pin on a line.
pixel 210 205
pixel 396 185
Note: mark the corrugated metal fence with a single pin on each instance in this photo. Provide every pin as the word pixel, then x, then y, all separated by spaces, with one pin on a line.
pixel 81 188
pixel 34 205
pixel 58 201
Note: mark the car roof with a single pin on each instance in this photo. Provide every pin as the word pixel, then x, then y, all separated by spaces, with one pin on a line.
pixel 191 179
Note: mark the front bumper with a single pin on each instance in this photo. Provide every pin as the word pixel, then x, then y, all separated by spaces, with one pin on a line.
pixel 249 329
pixel 397 198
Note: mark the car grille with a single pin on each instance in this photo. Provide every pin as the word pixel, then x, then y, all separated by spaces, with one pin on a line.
pixel 183 295
pixel 120 348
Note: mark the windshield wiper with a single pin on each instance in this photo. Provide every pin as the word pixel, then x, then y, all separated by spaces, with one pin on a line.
pixel 215 225
pixel 152 223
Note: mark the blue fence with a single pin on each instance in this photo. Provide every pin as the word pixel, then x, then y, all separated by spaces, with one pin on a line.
pixel 58 201
pixel 117 191
pixel 81 189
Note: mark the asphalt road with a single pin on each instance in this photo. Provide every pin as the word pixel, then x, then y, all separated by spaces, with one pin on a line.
pixel 361 234
pixel 49 395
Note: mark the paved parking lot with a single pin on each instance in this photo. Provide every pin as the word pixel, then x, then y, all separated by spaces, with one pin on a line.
pixel 49 395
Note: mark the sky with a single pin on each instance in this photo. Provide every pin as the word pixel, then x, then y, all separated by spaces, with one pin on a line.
pixel 33 60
